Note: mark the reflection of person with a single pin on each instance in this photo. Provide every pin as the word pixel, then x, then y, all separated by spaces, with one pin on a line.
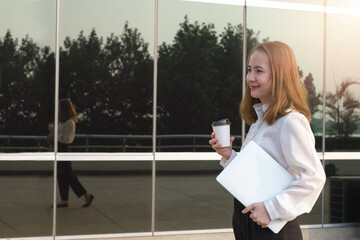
pixel 65 176
pixel 275 105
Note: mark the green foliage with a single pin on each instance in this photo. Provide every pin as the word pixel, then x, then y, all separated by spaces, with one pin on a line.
pixel 23 86
pixel 199 78
pixel 314 98
pixel 111 81
pixel 342 109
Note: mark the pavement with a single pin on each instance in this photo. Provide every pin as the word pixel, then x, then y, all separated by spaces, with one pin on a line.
pixel 187 198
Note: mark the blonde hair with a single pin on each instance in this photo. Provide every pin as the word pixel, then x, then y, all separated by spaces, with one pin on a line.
pixel 287 89
pixel 66 110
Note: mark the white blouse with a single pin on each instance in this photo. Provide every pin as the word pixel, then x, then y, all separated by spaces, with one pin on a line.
pixel 291 142
pixel 66 131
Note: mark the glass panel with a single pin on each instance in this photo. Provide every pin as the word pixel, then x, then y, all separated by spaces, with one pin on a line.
pixel 188 197
pixel 351 4
pixel 342 192
pixel 199 81
pixel 106 69
pixel 308 51
pixel 122 199
pixel 316 2
pixel 343 83
pixel 26 74
pixel 200 65
pixel 26 196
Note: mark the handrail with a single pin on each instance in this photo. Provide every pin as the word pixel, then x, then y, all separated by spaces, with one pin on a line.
pixel 40 144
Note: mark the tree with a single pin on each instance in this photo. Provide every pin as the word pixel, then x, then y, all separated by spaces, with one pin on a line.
pixel 231 42
pixel 131 68
pixel 188 79
pixel 342 109
pixel 20 101
pixel 110 83
pixel 314 98
pixel 200 77
pixel 82 74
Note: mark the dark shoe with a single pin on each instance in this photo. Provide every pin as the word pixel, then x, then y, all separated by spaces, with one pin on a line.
pixel 61 205
pixel 88 202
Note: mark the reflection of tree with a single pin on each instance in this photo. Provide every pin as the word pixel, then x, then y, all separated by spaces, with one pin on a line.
pixel 314 98
pixel 200 77
pixel 110 83
pixel 342 109
pixel 25 85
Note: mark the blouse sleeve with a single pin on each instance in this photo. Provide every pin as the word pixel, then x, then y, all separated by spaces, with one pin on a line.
pixel 298 147
pixel 224 162
pixel 67 132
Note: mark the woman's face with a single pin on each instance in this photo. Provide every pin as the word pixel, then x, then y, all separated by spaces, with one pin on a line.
pixel 259 77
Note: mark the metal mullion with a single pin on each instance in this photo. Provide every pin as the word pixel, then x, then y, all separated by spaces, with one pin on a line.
pixel 156 30
pixel 244 67
pixel 56 102
pixel 324 110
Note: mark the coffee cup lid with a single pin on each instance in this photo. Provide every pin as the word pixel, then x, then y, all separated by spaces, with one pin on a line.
pixel 224 121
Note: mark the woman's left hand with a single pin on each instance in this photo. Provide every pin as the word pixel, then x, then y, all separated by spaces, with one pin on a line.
pixel 258 214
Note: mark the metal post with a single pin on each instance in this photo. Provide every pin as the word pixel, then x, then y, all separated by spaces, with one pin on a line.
pixel 156 29
pixel 324 110
pixel 244 67
pixel 56 122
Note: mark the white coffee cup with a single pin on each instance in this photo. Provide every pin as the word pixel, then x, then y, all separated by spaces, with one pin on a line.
pixel 221 129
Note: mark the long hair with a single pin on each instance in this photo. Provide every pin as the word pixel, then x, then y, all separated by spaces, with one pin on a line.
pixel 66 110
pixel 287 89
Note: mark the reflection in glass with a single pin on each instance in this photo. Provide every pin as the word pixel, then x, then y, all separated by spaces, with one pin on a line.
pixel 188 197
pixel 343 84
pixel 122 202
pixel 199 81
pixel 26 196
pixel 106 69
pixel 342 195
pixel 350 4
pixel 311 2
pixel 26 74
pixel 200 71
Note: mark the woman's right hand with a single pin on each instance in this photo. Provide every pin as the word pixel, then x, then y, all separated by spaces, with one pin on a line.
pixel 222 151
pixel 51 127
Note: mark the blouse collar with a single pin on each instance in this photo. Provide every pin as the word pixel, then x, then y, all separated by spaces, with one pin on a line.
pixel 260 109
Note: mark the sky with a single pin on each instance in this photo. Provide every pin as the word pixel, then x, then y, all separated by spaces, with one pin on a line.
pixel 302 30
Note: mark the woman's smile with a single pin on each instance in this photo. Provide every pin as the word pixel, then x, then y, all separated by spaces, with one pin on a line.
pixel 253 87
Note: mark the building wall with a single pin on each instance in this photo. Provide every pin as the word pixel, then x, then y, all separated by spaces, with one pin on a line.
pixel 121 62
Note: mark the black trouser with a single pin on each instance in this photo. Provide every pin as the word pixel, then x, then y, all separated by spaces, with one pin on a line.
pixel 246 229
pixel 66 178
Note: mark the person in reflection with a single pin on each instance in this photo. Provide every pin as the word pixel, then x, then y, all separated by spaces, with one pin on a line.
pixel 275 105
pixel 65 176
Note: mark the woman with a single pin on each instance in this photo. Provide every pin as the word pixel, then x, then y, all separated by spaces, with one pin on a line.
pixel 65 176
pixel 275 105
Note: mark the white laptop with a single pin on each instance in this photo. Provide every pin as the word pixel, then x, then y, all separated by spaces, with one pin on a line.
pixel 254 176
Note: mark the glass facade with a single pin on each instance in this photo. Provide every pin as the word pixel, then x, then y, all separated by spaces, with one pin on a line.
pixel 124 62
pixel 342 101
